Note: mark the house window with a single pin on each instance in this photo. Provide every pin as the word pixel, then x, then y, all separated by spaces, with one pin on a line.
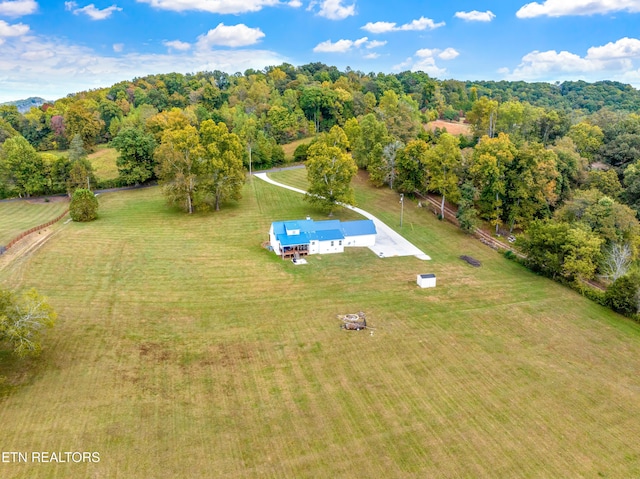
pixel 332 243
pixel 340 243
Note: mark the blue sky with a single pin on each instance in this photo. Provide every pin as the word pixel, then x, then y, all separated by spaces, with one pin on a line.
pixel 53 48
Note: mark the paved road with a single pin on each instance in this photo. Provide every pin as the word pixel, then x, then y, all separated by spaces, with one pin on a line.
pixel 388 242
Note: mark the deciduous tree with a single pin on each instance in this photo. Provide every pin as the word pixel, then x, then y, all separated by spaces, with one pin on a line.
pixel 411 174
pixel 23 319
pixel 179 158
pixel 221 174
pixel 22 167
pixel 442 163
pixel 136 163
pixel 491 158
pixel 330 170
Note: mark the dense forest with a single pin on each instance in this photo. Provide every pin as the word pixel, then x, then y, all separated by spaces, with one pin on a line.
pixel 560 162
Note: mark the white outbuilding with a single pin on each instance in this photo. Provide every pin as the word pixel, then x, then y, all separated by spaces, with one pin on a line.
pixel 427 280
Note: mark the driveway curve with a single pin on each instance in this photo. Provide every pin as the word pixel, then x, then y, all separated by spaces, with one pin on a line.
pixel 389 243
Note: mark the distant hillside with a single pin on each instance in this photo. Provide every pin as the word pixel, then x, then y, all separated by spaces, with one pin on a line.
pixel 25 105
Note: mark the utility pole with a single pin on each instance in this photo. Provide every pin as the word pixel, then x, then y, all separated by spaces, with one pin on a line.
pixel 401 208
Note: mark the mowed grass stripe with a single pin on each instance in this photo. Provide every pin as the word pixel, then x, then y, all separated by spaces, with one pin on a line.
pixel 19 216
pixel 184 346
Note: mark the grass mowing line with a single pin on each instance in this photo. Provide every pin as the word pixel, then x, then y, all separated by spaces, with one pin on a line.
pixel 183 347
pixel 22 215
pixel 104 162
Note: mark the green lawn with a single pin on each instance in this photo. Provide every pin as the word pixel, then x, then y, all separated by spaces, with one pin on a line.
pixel 104 162
pixel 184 349
pixel 19 216
pixel 290 148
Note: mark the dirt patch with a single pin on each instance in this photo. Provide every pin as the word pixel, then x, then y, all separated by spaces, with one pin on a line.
pixel 27 246
pixel 454 128
pixel 155 352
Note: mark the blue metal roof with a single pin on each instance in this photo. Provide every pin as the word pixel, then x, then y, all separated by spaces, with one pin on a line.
pixel 293 240
pixel 327 235
pixel 327 225
pixel 358 228
pixel 327 230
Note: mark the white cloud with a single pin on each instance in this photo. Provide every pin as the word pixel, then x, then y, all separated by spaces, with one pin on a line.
pixel 376 44
pixel 230 36
pixel 371 56
pixel 343 46
pixel 91 11
pixel 613 60
pixel 379 27
pixel 476 16
pixel 403 65
pixel 118 47
pixel 295 3
pixel 37 55
pixel 177 45
pixel 359 42
pixel 52 68
pixel 18 8
pixel 426 61
pixel 428 65
pixel 448 54
pixel 214 6
pixel 328 46
pixel 559 8
pixel 15 30
pixel 420 24
pixel 623 48
pixel 333 9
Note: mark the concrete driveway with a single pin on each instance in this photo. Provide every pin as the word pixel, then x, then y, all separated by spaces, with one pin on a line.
pixel 389 243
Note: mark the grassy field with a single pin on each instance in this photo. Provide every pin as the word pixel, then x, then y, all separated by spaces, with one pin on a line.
pixel 184 349
pixel 19 216
pixel 104 162
pixel 290 148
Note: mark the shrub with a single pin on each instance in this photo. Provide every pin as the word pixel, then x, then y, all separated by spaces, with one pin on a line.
pixel 84 205
pixel 595 295
pixel 300 153
pixel 622 295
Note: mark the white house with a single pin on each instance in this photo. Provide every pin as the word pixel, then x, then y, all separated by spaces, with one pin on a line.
pixel 303 237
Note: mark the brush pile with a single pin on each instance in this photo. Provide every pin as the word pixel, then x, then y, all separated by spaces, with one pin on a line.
pixel 472 261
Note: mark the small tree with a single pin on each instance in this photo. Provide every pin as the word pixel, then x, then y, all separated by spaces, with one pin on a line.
pixel 76 149
pixel 84 206
pixel 22 320
pixel 622 295
pixel 467 215
pixel 617 261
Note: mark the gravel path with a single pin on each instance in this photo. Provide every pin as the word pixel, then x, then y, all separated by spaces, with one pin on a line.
pixel 388 242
